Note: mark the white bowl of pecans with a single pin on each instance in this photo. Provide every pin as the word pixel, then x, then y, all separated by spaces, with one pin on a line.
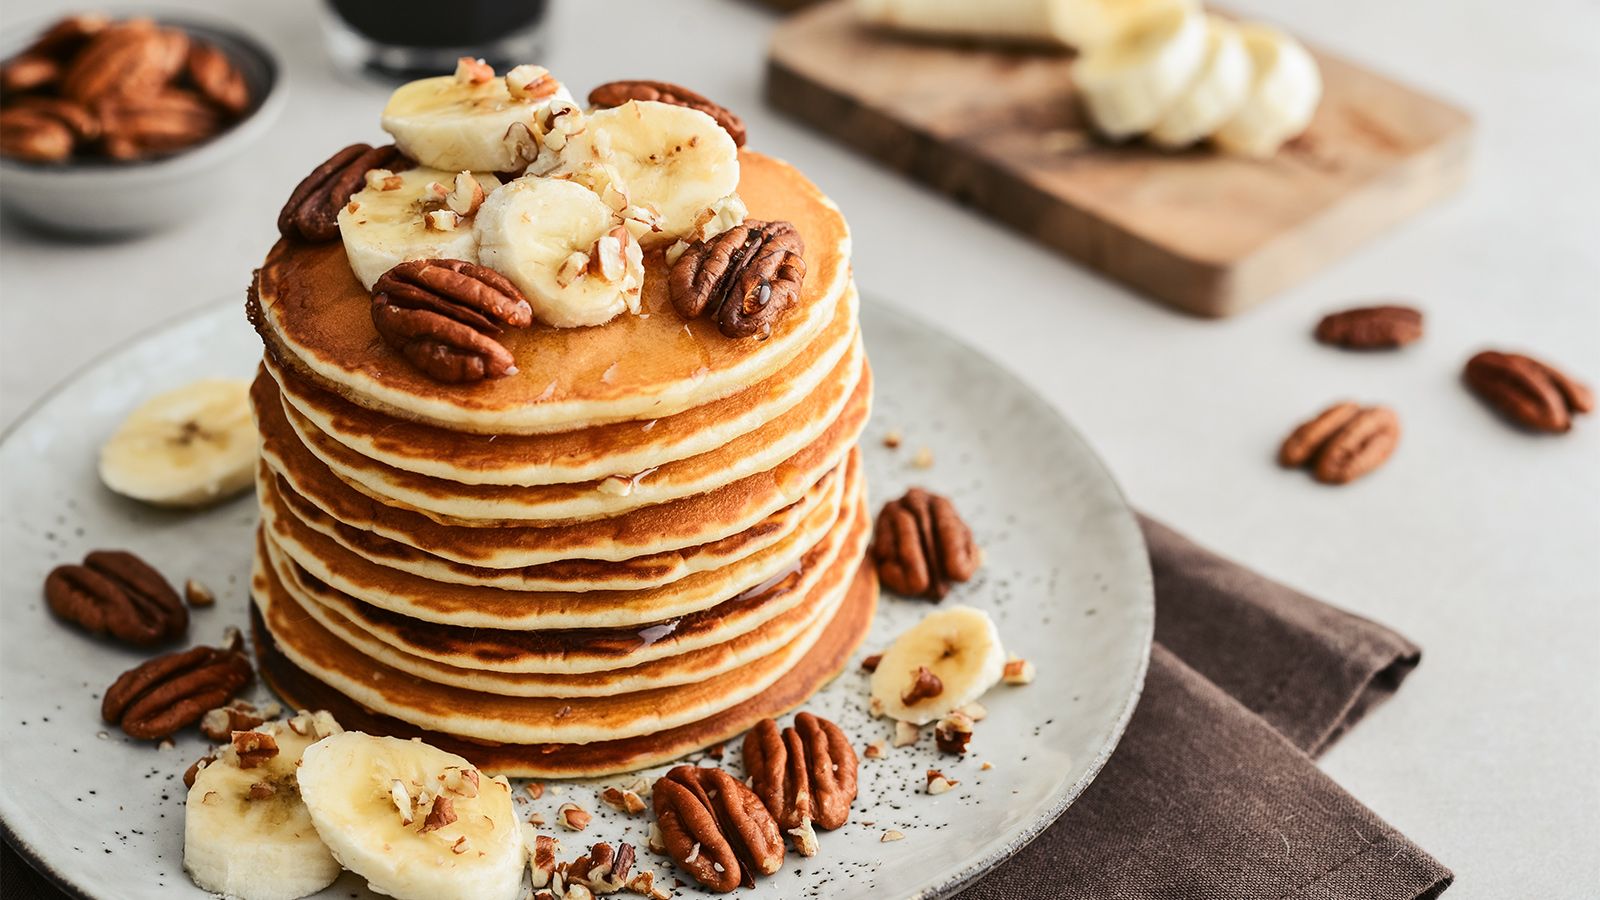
pixel 114 126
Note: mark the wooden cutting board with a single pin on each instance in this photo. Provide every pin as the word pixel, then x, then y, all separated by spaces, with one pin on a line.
pixel 1000 129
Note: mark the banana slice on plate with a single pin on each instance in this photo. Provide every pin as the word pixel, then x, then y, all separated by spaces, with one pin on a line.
pixel 471 120
pixel 416 822
pixel 958 647
pixel 188 447
pixel 1282 99
pixel 575 260
pixel 246 833
pixel 1089 24
pixel 1216 94
pixel 1131 83
pixel 420 213
pixel 677 161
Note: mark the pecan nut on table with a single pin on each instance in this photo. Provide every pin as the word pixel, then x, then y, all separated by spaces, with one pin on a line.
pixel 744 278
pixel 921 545
pixel 1533 394
pixel 116 593
pixel 1343 442
pixel 444 316
pixel 1371 327
pixel 616 93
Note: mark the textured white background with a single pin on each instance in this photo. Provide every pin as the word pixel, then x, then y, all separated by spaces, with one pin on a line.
pixel 1479 542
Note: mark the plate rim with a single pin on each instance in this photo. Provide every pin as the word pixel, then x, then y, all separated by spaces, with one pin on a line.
pixel 1125 520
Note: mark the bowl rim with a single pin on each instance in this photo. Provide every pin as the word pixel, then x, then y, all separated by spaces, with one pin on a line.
pixel 225 145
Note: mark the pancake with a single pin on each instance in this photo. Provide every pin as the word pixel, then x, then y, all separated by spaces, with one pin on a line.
pixel 566 457
pixel 576 650
pixel 315 318
pixel 847 388
pixel 826 659
pixel 527 720
pixel 486 607
pixel 684 668
pixel 689 522
pixel 638 573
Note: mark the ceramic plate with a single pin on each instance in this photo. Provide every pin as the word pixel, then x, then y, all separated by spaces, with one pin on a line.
pixel 1065 576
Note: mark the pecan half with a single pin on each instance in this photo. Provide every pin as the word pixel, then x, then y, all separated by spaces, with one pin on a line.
pixel 805 774
pixel 1371 327
pixel 217 79
pixel 616 93
pixel 921 545
pixel 28 72
pixel 67 36
pixel 745 277
pixel 129 58
pixel 1343 442
pixel 312 211
pixel 154 124
pixel 1533 394
pixel 114 592
pixel 715 828
pixel 84 125
pixel 33 136
pixel 443 316
pixel 156 698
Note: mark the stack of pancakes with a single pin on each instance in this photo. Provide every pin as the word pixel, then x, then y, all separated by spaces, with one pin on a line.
pixel 646 539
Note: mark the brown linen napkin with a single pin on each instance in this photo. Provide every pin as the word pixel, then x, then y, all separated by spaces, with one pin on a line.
pixel 1213 792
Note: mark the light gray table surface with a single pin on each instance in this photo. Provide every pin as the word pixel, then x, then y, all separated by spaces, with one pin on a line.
pixel 1479 542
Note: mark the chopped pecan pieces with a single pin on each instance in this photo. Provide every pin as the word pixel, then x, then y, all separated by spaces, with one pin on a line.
pixel 870 663
pixel 155 699
pixel 805 774
pixel 442 813
pixel 219 724
pixel 114 592
pixel 1371 327
pixel 938 782
pixel 921 545
pixel 745 277
pixel 715 828
pixel 312 211
pixel 924 686
pixel 953 733
pixel 1343 443
pixel 616 93
pixel 1533 394
pixel 254 748
pixel 443 315
pixel 573 817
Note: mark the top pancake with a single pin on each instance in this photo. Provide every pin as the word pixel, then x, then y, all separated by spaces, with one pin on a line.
pixel 316 318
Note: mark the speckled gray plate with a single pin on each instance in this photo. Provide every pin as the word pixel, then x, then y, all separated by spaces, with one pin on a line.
pixel 1065 576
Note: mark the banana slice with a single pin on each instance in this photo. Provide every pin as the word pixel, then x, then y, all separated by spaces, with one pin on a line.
pixel 1216 94
pixel 246 833
pixel 1025 21
pixel 471 120
pixel 187 447
pixel 575 260
pixel 413 214
pixel 958 646
pixel 1089 24
pixel 675 161
pixel 1129 85
pixel 416 822
pixel 1282 99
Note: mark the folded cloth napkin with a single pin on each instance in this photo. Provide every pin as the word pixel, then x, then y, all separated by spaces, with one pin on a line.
pixel 1213 792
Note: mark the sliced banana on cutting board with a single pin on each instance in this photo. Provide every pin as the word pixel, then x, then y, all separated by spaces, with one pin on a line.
pixel 415 214
pixel 1130 84
pixel 473 119
pixel 558 241
pixel 188 447
pixel 958 646
pixel 1216 93
pixel 1282 99
pixel 676 161
pixel 1090 24
pixel 416 822
pixel 246 833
